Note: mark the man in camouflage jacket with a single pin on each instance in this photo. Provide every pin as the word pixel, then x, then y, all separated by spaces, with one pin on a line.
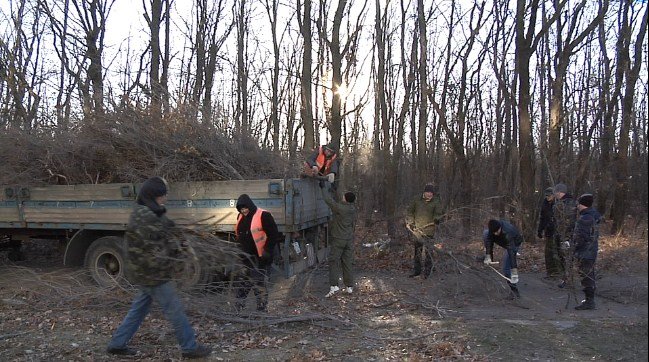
pixel 150 265
pixel 422 217
pixel 565 215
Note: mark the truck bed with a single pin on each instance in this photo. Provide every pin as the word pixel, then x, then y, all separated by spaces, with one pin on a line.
pixel 296 204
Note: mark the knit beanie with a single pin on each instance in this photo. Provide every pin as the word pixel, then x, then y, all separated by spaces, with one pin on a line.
pixel 586 200
pixel 154 187
pixel 350 197
pixel 561 188
pixel 493 226
pixel 549 191
pixel 429 188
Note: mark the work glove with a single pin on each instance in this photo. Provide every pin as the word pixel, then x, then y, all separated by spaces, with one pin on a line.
pixel 315 170
pixel 514 277
pixel 565 245
pixel 487 260
pixel 331 177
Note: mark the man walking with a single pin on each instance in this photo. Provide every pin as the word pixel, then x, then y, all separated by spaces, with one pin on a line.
pixel 149 265
pixel 422 217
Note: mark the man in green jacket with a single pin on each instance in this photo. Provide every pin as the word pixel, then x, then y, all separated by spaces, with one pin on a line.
pixel 341 240
pixel 422 217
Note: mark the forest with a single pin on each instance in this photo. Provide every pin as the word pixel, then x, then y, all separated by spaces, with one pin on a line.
pixel 490 101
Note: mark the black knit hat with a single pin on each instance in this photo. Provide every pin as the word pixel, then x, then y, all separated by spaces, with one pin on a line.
pixel 549 191
pixel 493 226
pixel 154 187
pixel 331 146
pixel 429 188
pixel 586 200
pixel 350 197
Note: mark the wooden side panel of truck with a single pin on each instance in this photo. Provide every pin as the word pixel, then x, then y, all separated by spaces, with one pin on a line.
pixel 95 216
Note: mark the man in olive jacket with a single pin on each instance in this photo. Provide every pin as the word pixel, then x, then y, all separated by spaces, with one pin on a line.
pixel 422 217
pixel 341 240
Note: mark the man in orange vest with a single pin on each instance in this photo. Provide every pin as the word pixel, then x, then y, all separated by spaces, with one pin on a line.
pixel 257 235
pixel 323 162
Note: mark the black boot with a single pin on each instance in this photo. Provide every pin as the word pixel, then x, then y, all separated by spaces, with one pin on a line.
pixel 414 274
pixel 515 294
pixel 589 302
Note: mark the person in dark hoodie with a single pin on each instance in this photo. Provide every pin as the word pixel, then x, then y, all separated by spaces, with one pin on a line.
pixel 504 234
pixel 257 235
pixel 586 244
pixel 565 215
pixel 149 265
pixel 553 264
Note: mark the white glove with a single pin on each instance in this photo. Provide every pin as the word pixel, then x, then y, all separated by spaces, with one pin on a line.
pixel 315 169
pixel 487 260
pixel 514 277
pixel 565 245
pixel 331 177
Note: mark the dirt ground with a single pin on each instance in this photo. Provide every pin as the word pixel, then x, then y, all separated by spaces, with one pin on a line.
pixel 462 312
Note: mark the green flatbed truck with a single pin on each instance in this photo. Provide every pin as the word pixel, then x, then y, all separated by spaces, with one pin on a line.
pixel 91 218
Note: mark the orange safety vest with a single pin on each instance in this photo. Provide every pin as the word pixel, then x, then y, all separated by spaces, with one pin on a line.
pixel 322 160
pixel 256 229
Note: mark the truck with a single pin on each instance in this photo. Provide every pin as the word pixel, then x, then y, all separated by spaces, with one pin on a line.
pixel 90 219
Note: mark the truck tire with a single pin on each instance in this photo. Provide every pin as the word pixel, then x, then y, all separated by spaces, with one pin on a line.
pixel 105 260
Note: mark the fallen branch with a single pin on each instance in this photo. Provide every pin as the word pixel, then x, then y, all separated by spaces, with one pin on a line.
pixel 402 339
pixel 11 335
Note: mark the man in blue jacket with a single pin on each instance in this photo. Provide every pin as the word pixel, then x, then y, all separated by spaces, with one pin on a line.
pixel 585 243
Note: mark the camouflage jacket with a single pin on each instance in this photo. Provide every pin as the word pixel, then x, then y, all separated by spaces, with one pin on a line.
pixel 565 215
pixel 425 215
pixel 150 253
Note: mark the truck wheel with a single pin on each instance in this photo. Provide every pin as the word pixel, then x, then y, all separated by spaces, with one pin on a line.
pixel 194 275
pixel 105 260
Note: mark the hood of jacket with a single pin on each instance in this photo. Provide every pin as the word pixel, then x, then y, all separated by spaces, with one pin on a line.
pixel 149 191
pixel 245 201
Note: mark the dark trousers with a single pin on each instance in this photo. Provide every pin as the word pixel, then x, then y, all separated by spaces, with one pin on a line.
pixel 554 257
pixel 587 275
pixel 256 279
pixel 428 259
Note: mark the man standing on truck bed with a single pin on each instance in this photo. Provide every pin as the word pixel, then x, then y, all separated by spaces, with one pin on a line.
pixel 149 265
pixel 323 162
pixel 257 234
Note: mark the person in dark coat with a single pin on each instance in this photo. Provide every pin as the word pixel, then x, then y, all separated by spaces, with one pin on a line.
pixel 257 235
pixel 505 235
pixel 341 240
pixel 553 265
pixel 586 245
pixel 149 265
pixel 565 215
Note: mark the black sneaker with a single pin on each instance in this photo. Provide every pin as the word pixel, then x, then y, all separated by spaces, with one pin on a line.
pixel 121 351
pixel 562 284
pixel 200 351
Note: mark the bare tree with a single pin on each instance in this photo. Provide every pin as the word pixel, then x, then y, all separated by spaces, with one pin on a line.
pixel 306 94
pixel 631 73
pixel 567 41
